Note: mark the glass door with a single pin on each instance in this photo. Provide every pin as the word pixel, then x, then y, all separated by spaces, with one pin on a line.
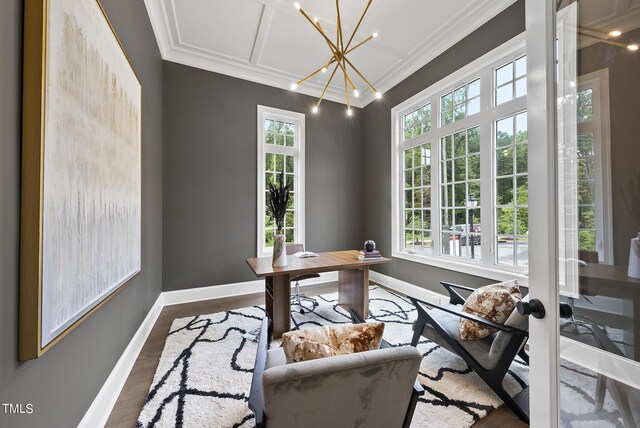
pixel 585 153
pixel 598 147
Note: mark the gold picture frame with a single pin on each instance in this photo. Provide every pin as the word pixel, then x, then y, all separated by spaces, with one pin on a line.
pixel 82 115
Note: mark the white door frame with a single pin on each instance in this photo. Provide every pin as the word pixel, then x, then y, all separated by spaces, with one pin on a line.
pixel 543 237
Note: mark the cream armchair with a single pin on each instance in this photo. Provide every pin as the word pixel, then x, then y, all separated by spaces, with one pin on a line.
pixel 369 389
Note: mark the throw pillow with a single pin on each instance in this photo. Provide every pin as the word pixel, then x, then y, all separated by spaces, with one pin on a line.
pixel 493 302
pixel 326 341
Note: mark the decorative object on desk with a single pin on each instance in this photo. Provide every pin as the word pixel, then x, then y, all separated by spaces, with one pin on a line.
pixel 279 194
pixel 305 254
pixel 81 170
pixel 634 258
pixel 369 246
pixel 369 253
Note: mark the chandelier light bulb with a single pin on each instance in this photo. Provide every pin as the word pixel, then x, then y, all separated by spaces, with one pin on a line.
pixel 378 95
pixel 315 19
pixel 314 109
pixel 324 69
pixel 356 93
pixel 294 86
pixel 349 112
pixel 632 47
pixel 615 33
pixel 297 6
pixel 375 35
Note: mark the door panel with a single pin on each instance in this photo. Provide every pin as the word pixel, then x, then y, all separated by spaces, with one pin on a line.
pixel 598 188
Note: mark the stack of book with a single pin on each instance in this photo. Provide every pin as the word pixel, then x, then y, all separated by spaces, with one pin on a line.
pixel 369 255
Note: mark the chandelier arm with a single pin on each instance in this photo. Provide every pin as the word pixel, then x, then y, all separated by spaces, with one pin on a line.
pixel 300 82
pixel 361 76
pixel 334 47
pixel 327 85
pixel 336 58
pixel 358 45
pixel 592 29
pixel 603 40
pixel 339 35
pixel 358 24
pixel 346 90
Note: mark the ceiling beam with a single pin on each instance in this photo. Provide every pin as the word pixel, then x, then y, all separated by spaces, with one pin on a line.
pixel 263 30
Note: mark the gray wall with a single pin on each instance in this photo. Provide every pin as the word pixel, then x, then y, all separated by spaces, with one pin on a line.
pixel 62 384
pixel 210 155
pixel 376 197
pixel 624 104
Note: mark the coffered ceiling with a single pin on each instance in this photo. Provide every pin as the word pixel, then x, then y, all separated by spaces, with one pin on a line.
pixel 270 42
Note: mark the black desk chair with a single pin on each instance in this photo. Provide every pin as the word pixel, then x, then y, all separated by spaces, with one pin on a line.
pixel 297 298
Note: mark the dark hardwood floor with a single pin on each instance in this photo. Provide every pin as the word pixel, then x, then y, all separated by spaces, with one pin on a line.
pixel 129 403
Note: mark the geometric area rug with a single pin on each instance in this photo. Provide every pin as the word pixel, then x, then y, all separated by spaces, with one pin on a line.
pixel 204 373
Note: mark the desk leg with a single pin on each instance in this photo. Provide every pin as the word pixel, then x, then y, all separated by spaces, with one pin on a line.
pixel 277 299
pixel 353 290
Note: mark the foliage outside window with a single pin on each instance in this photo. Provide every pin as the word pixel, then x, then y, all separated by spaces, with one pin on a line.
pixel 512 191
pixel 460 192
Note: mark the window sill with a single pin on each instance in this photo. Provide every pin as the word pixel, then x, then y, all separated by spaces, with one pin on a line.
pixel 467 268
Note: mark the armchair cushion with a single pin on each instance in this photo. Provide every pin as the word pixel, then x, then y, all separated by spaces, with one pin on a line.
pixel 494 302
pixel 326 341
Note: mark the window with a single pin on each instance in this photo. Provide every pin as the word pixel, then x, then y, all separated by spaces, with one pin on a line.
pixel 511 80
pixel 280 154
pixel 460 170
pixel 593 166
pixel 512 191
pixel 460 103
pixel 460 189
pixel 417 200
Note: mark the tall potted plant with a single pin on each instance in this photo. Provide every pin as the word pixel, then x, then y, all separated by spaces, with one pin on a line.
pixel 277 202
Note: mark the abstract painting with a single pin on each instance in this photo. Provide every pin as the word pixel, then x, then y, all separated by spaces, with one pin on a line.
pixel 87 207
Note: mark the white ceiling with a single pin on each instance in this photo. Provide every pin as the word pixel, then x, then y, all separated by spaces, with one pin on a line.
pixel 270 42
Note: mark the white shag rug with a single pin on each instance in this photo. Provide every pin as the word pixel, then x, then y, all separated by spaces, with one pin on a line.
pixel 204 374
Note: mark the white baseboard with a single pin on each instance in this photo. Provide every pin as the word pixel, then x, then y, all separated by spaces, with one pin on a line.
pixel 102 405
pixel 408 289
pixel 189 295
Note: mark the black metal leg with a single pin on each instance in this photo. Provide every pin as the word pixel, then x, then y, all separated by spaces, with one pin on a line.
pixel 511 403
pixel 412 407
pixel 523 354
pixel 417 332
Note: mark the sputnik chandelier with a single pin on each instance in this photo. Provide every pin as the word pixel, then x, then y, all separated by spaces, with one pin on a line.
pixel 339 52
pixel 598 34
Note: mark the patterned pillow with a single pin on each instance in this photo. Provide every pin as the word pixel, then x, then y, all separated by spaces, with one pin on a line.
pixel 331 340
pixel 494 302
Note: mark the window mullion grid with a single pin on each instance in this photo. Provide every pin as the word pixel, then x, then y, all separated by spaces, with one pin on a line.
pixel 436 229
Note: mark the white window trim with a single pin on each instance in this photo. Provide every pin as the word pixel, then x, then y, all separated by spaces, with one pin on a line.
pixel 598 81
pixel 298 119
pixel 482 67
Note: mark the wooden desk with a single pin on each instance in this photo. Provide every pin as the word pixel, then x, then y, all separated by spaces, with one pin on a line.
pixel 353 282
pixel 612 281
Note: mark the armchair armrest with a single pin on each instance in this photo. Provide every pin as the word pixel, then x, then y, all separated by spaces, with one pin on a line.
pixel 500 327
pixel 454 297
pixel 256 403
pixel 357 319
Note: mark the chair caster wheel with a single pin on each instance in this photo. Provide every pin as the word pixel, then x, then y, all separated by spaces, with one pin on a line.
pixel 315 304
pixel 302 311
